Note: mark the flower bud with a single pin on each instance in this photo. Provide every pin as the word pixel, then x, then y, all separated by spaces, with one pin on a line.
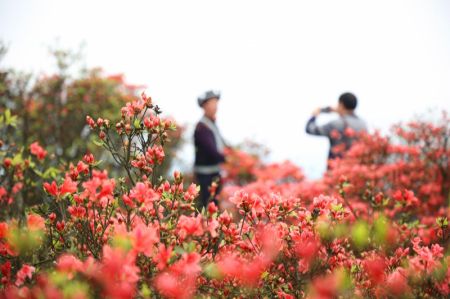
pixel 52 217
pixel 88 158
pixel 212 208
pixel 60 225
pixel 7 162
pixel 90 122
pixel 102 135
pixel 177 175
pixel 100 121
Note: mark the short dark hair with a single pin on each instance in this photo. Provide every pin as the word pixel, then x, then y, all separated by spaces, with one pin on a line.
pixel 349 100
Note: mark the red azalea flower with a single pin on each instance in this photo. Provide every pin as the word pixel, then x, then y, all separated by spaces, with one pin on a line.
pixel 37 150
pixel 35 222
pixel 24 272
pixel 396 282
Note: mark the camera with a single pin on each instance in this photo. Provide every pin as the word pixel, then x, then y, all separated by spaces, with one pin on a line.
pixel 326 110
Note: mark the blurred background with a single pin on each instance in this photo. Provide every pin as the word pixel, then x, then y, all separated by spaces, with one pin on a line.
pixel 273 61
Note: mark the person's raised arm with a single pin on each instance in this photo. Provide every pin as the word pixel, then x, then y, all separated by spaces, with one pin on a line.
pixel 314 129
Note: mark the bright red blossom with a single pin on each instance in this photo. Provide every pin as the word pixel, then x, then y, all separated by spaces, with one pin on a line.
pixel 38 151
pixel 25 272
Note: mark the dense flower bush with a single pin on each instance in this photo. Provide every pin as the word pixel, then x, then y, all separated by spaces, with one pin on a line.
pixel 49 112
pixel 375 226
pixel 51 109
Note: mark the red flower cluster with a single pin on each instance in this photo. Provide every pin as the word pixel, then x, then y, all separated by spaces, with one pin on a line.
pixel 38 151
pixel 375 226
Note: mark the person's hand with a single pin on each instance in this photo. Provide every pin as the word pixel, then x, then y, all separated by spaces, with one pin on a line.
pixel 316 112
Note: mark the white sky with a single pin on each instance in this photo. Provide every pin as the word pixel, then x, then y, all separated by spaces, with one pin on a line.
pixel 274 61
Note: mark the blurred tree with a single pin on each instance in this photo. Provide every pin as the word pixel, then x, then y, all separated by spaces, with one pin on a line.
pixel 53 109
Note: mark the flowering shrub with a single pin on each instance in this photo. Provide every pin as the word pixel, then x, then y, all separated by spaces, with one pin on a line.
pixel 371 228
pixel 51 109
pixel 243 161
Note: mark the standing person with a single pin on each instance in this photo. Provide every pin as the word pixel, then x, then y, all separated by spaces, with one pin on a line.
pixel 342 131
pixel 209 148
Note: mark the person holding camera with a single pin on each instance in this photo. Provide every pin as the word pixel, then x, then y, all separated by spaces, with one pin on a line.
pixel 209 149
pixel 342 131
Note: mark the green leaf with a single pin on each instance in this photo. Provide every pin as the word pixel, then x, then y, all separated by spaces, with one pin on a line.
pixel 212 271
pixel 122 243
pixel 336 208
pixel 75 288
pixel 172 127
pixel 360 234
pixel 50 172
pixel 10 120
pixel 381 227
pixel 7 114
pixel 98 142
pixel 97 163
pixel 179 250
pixel 58 278
pixel 442 221
pixel 145 291
pixel 17 159
pixel 137 124
pixel 31 164
pixel 166 195
pixel 413 224
pixel 345 280
pixel 189 247
pixel 340 230
pixel 440 272
pixel 323 228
